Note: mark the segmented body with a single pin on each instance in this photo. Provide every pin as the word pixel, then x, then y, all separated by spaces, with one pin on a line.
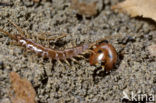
pixel 104 53
pixel 47 52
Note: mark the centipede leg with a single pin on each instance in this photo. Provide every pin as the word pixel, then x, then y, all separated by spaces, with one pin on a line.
pixel 58 37
pixel 33 38
pixel 103 67
pixel 81 56
pixel 73 44
pixel 50 60
pixel 27 34
pixel 67 62
pixel 17 27
pixel 62 35
pixel 13 42
pixel 59 62
pixel 88 51
pixel 41 36
pixel 74 60
pixel 20 30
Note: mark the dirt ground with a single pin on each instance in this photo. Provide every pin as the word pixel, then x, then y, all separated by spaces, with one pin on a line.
pixel 135 71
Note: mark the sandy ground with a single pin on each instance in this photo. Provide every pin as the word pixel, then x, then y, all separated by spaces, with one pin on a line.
pixel 135 72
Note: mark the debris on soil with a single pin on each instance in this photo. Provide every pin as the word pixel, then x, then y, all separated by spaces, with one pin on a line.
pixel 145 8
pixel 152 49
pixel 21 90
pixel 85 9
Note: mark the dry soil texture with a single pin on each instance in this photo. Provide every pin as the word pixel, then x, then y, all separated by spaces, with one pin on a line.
pixel 135 71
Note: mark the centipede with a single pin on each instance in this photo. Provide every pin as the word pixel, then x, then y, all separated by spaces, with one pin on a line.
pixel 103 53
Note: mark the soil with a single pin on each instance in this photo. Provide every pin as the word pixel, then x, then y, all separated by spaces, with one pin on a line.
pixel 135 71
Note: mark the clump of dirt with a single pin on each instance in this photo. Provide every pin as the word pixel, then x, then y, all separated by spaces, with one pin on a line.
pixel 135 71
pixel 86 9
pixel 21 90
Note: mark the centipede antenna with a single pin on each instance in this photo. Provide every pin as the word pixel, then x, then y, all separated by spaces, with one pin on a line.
pixel 17 27
pixel 8 34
